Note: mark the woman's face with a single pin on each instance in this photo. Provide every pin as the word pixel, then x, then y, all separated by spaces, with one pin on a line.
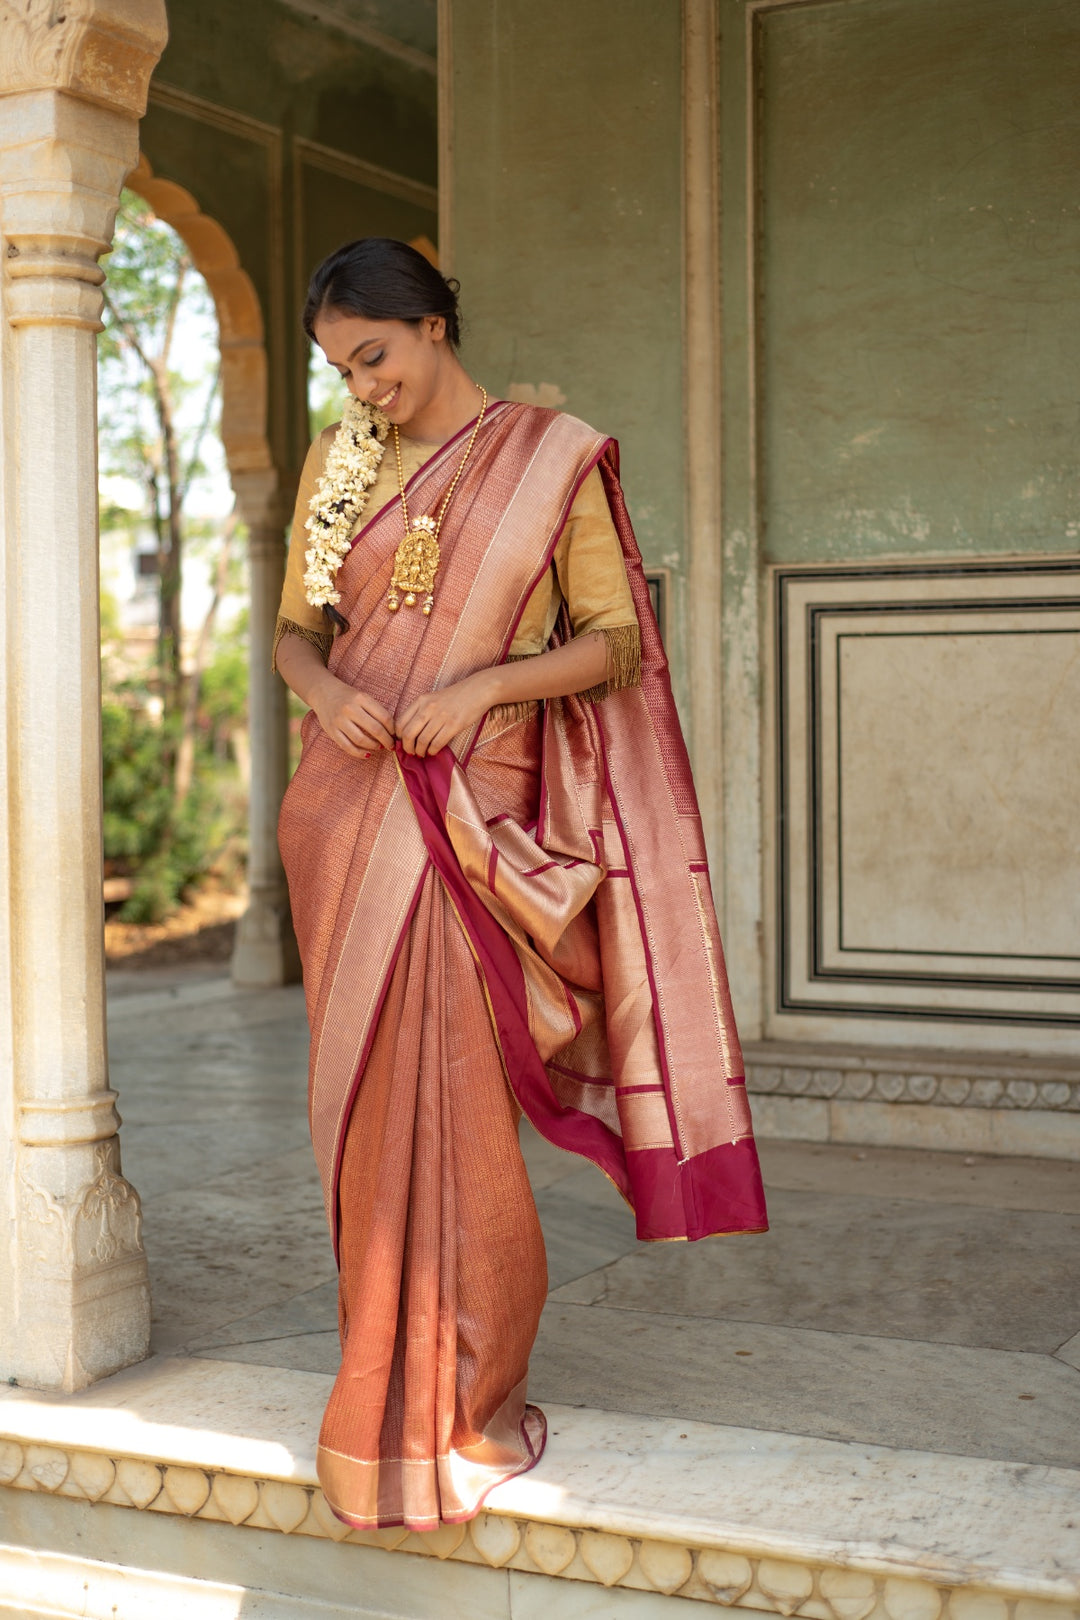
pixel 392 364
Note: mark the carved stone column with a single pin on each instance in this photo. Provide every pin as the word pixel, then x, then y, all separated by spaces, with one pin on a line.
pixel 74 1298
pixel 265 951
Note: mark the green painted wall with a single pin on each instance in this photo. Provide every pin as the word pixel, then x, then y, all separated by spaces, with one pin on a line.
pixel 566 198
pixel 271 62
pixel 919 273
pixel 266 61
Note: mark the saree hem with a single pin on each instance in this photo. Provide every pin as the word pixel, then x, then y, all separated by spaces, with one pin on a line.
pixel 532 1434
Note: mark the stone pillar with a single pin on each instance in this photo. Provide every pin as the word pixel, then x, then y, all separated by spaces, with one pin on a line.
pixel 265 953
pixel 701 360
pixel 74 1297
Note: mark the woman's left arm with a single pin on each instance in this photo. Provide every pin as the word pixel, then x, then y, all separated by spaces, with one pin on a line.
pixel 429 722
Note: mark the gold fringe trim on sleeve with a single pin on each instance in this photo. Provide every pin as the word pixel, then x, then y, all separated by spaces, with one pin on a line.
pixel 322 639
pixel 510 713
pixel 623 662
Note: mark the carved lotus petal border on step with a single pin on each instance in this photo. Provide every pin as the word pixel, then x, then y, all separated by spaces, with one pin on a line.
pixel 725 1576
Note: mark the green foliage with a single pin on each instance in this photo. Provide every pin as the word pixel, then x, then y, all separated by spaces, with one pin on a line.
pixel 326 392
pixel 167 850
pixel 159 388
pixel 111 627
pixel 152 293
pixel 142 270
pixel 225 685
pixel 144 838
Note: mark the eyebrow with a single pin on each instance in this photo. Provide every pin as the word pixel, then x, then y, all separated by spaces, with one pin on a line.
pixel 366 344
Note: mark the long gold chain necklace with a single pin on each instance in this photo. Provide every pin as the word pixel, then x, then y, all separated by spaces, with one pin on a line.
pixel 416 561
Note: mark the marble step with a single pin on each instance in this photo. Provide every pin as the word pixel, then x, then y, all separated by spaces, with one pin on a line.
pixel 187 1487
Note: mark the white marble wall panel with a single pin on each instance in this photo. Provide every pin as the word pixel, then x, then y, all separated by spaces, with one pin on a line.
pixel 926 754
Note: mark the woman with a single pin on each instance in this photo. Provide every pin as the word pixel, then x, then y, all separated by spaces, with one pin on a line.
pixel 498 882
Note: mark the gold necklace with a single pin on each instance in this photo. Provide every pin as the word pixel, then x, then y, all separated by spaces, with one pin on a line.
pixel 416 561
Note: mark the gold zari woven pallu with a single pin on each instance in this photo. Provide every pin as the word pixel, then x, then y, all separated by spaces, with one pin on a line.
pixel 531 906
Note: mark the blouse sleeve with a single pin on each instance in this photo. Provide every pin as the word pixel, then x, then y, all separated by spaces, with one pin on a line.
pixel 592 578
pixel 296 616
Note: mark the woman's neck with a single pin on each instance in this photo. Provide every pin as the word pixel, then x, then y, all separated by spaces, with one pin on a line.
pixel 454 404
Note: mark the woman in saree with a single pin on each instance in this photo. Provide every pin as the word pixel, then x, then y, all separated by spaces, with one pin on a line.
pixel 498 882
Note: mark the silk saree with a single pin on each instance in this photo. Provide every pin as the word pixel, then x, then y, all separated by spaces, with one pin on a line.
pixel 521 922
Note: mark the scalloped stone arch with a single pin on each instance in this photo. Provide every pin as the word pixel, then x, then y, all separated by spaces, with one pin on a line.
pixel 265 952
pixel 240 320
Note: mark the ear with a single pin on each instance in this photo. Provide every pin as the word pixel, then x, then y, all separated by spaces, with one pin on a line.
pixel 434 326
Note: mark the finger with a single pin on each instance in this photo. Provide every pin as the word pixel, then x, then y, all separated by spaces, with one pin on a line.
pixel 383 716
pixel 361 720
pixel 363 729
pixel 347 745
pixel 414 713
pixel 355 731
pixel 426 737
pixel 360 731
pixel 413 730
pixel 379 724
pixel 406 718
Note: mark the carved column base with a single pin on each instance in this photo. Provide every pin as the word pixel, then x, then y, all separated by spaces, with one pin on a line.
pixel 82 1297
pixel 265 954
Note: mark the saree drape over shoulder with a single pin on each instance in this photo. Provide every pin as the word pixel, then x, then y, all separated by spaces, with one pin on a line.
pixel 525 916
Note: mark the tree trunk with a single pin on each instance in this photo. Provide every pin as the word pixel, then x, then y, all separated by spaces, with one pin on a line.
pixel 172 574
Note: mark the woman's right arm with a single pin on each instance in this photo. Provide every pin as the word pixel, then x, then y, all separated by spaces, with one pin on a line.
pixel 353 720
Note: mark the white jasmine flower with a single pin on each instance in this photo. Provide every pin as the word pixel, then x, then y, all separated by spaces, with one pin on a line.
pixel 352 463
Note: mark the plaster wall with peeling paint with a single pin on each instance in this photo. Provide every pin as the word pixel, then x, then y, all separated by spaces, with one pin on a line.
pixel 565 198
pixel 895 328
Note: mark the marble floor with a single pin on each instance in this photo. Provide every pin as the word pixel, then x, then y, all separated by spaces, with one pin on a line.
pixel 904 1298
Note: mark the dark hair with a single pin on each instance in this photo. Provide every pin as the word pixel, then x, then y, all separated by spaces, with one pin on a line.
pixel 383 280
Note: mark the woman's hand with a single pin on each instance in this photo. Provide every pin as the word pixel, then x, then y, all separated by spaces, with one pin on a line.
pixel 354 720
pixel 431 721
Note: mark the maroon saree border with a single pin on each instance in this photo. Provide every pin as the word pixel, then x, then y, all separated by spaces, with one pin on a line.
pixel 715 1192
pixel 594 461
pixel 496 410
pixel 427 782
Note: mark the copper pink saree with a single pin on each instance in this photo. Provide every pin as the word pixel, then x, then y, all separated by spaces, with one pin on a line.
pixel 523 921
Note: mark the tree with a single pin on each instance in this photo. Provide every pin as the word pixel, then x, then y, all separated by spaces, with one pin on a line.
pixel 150 432
pixel 173 729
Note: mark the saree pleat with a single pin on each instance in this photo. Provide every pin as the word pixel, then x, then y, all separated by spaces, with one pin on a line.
pixel 443 1271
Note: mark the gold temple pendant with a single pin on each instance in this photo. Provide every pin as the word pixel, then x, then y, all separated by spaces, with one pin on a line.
pixel 416 563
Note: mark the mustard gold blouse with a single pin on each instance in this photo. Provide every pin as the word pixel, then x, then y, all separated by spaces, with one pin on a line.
pixel 587 570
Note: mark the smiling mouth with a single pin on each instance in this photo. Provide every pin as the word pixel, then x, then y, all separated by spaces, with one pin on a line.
pixel 388 399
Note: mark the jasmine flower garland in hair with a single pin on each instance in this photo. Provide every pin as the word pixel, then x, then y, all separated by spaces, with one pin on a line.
pixel 352 463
